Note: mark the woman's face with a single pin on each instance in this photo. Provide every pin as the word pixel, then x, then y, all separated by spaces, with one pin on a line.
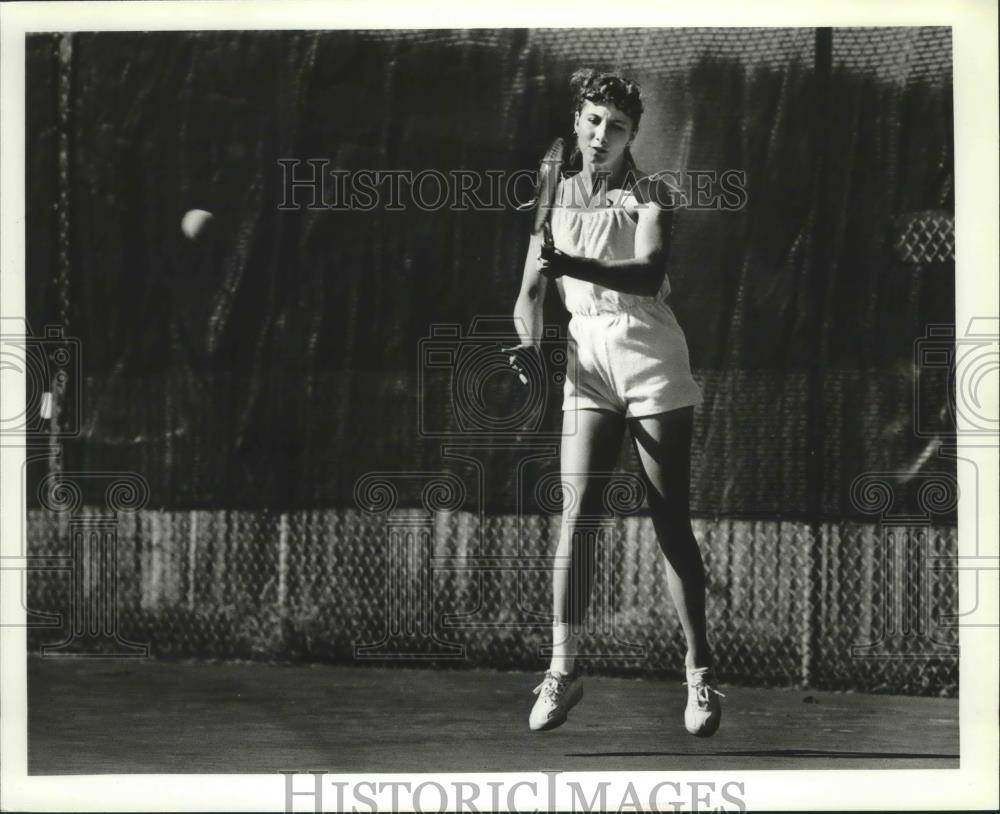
pixel 602 134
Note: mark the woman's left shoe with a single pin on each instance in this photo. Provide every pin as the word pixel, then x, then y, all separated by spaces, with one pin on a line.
pixel 703 712
pixel 557 695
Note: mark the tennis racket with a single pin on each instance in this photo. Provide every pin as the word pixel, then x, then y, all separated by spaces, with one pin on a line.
pixel 547 187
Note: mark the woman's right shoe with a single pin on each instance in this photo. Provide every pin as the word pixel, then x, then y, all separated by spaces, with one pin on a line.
pixel 703 712
pixel 557 695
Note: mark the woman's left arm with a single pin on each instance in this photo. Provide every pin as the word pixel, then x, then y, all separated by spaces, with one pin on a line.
pixel 640 275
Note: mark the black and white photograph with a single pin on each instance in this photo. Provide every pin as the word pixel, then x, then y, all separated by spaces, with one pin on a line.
pixel 419 410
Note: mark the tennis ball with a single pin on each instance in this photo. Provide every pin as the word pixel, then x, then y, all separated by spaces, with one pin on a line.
pixel 195 223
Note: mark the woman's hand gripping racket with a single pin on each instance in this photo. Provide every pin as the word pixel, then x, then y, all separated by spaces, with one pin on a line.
pixel 525 356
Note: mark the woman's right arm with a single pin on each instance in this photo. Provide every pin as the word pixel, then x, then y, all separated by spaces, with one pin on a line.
pixel 528 309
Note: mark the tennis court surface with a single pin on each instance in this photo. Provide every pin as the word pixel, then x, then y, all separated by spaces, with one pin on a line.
pixel 160 717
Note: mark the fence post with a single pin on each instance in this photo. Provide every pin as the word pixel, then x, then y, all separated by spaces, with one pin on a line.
pixel 806 639
pixel 192 558
pixel 819 271
pixel 282 562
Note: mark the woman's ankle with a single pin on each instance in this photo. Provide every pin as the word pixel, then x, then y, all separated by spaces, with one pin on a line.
pixel 562 665
pixel 698 662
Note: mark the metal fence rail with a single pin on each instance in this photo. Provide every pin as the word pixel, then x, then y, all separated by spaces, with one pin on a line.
pixel 860 606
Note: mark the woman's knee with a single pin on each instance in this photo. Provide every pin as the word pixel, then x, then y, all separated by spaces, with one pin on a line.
pixel 584 503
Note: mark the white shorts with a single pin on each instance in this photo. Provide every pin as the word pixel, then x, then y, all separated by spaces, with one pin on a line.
pixel 633 362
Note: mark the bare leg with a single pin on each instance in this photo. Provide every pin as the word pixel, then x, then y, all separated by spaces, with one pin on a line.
pixel 663 444
pixel 591 442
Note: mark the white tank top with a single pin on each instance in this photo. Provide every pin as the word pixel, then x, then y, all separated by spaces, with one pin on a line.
pixel 605 233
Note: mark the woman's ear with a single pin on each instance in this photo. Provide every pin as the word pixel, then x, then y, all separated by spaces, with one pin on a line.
pixel 576 122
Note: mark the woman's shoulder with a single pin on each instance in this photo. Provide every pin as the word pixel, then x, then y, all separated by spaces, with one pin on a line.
pixel 651 190
pixel 636 193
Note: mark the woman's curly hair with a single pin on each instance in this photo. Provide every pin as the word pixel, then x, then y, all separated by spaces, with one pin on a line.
pixel 589 85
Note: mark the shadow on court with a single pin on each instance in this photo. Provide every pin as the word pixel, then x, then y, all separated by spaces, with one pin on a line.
pixel 93 717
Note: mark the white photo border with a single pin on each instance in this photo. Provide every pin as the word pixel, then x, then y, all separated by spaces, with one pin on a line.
pixel 974 23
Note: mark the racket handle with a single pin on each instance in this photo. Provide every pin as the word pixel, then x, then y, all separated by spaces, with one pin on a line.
pixel 547 235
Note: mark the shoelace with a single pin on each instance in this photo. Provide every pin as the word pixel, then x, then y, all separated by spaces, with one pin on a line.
pixel 552 686
pixel 702 688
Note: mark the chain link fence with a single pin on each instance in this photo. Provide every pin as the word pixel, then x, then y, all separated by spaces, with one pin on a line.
pixel 903 54
pixel 842 605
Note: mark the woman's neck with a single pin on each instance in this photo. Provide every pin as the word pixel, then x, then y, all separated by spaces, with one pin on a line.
pixel 594 178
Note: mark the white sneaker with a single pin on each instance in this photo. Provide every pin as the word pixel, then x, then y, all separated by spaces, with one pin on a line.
pixel 557 695
pixel 703 712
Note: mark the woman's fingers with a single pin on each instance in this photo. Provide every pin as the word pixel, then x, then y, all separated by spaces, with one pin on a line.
pixel 518 359
pixel 548 270
pixel 520 371
pixel 519 355
pixel 551 262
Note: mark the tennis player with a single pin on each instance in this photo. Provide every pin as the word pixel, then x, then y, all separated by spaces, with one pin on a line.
pixel 627 367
